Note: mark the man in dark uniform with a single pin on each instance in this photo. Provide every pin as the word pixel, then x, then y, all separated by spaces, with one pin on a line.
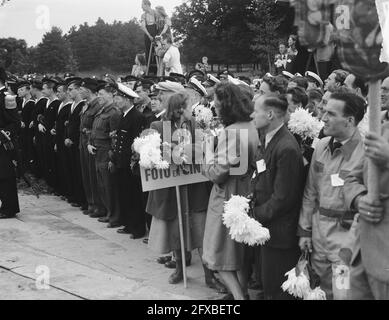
pixel 26 136
pixel 9 127
pixel 72 142
pixel 62 153
pixel 37 114
pixel 47 124
pixel 104 128
pixel 88 168
pixel 132 214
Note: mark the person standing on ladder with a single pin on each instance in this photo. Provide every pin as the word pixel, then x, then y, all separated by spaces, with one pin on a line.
pixel 149 27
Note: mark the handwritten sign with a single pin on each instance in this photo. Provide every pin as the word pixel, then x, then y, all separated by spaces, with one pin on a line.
pixel 154 179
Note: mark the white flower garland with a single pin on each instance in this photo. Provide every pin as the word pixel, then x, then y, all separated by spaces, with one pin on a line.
pixel 243 228
pixel 149 149
pixel 304 124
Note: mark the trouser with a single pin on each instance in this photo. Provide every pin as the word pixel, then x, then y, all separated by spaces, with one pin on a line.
pixel 76 179
pixel 86 162
pixel 132 214
pixel 50 174
pixel 9 197
pixel 64 169
pixel 106 185
pixel 40 156
pixel 152 29
pixel 365 287
pixel 275 263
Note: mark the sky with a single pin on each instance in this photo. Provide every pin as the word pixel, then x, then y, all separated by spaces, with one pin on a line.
pixel 30 19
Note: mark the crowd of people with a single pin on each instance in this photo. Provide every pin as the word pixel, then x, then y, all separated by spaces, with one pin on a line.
pixel 77 134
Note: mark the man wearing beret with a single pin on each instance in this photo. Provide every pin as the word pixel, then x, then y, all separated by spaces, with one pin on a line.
pixel 9 127
pixel 88 168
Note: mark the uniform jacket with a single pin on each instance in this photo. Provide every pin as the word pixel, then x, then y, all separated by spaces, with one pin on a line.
pixel 86 119
pixel 278 190
pixel 373 241
pixel 73 124
pixel 162 203
pixel 129 128
pixel 320 196
pixel 9 122
pixel 60 128
pixel 50 115
pixel 105 123
pixel 40 106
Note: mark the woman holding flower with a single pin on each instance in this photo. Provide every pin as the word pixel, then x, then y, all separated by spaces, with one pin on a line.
pixel 236 148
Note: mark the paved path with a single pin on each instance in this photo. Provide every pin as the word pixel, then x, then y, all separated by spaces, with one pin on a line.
pixel 85 259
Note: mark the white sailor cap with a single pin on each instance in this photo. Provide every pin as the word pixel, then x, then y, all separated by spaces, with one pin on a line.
pixel 169 86
pixel 287 74
pixel 126 91
pixel 196 85
pixel 314 77
pixel 297 74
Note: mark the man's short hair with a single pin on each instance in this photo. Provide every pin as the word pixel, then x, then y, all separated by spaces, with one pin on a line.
pixel 300 81
pixel 167 37
pixel 340 76
pixel 279 102
pixel 278 83
pixel 362 85
pixel 298 96
pixel 354 105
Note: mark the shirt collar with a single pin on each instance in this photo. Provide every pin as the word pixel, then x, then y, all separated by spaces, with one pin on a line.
pixel 270 135
pixel 158 115
pixel 348 146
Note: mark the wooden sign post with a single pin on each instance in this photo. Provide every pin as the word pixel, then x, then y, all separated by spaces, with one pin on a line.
pixel 174 176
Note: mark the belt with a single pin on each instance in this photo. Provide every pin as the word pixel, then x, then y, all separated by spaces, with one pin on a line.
pixel 337 213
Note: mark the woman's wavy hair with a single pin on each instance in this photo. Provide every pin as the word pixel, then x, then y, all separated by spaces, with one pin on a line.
pixel 235 105
pixel 178 101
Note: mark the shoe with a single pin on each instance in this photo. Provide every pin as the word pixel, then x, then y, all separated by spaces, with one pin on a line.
pixel 163 260
pixel 85 212
pixel 84 207
pixel 215 284
pixel 103 219
pixel 113 225
pixel 97 215
pixel 75 205
pixel 146 241
pixel 255 285
pixel 135 237
pixel 170 264
pixel 4 216
pixel 227 296
pixel 123 231
pixel 176 277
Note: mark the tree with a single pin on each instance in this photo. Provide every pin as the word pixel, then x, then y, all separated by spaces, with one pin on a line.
pixel 15 56
pixel 54 52
pixel 268 20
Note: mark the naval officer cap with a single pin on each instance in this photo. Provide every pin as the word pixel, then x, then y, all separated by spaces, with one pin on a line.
pixel 90 84
pixel 313 77
pixel 125 91
pixel 196 85
pixel 170 86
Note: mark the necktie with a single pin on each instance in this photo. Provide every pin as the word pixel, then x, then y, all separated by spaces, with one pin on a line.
pixel 334 145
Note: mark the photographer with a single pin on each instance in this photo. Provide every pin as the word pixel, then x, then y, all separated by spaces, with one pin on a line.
pixel 148 25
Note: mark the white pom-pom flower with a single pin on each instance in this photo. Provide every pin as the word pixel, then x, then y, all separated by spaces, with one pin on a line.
pixel 203 116
pixel 149 149
pixel 304 124
pixel 315 294
pixel 297 286
pixel 243 228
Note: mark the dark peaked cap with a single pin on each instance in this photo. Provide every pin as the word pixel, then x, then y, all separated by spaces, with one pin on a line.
pixel 91 84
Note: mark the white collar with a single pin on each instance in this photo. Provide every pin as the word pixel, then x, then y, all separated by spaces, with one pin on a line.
pixel 126 113
pixel 160 114
pixel 3 87
pixel 270 135
pixel 36 101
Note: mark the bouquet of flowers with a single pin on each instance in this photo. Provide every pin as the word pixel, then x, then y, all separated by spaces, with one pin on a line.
pixel 243 228
pixel 303 124
pixel 203 116
pixel 148 145
pixel 303 282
